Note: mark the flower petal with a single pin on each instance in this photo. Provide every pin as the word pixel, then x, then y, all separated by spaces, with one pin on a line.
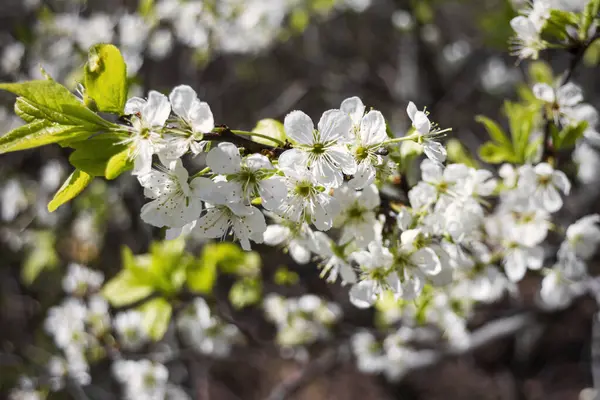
pixel 435 151
pixel 411 110
pixel 334 125
pixel 276 234
pixel 224 159
pixel 363 295
pixel 273 192
pixel 182 97
pixel 551 199
pixel 372 129
pixel 544 92
pixel 298 252
pixel 421 123
pixel 293 159
pixel 134 105
pixel 342 159
pixel 257 161
pixel 299 127
pixel 354 107
pixel 213 224
pixel 157 109
pixel 364 176
pixel 201 117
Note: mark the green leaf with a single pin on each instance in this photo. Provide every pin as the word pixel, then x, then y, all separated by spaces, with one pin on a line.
pixel 521 121
pixel 571 134
pixel 245 292
pixel 285 277
pixel 555 135
pixel 587 18
pixel 169 264
pixel 70 189
pixel 541 72
pixel 591 58
pixel 29 109
pixel 94 154
pixel 41 256
pixel 231 259
pixel 533 148
pixel 556 25
pixel 494 130
pixel 299 20
pixel 118 164
pixel 457 153
pixel 106 78
pixel 271 128
pixel 146 8
pixel 156 317
pixel 495 154
pixel 53 96
pixel 125 288
pixel 40 133
pixel 201 277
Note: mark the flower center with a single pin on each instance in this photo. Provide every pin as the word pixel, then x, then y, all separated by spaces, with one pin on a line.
pixel 355 212
pixel 362 153
pixel 318 148
pixel 442 187
pixel 544 180
pixel 303 189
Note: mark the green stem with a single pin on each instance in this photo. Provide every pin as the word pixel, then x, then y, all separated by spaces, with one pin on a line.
pixel 200 173
pixel 412 137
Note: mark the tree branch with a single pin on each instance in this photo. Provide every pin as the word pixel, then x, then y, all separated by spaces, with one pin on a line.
pixel 224 134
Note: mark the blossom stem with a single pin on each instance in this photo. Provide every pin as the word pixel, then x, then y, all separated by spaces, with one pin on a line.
pixel 201 173
pixel 412 137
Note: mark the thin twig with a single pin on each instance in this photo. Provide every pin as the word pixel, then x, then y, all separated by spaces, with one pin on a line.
pixel 577 55
pixel 310 372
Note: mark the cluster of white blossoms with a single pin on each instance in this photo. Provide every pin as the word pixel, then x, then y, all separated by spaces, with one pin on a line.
pixel 77 326
pixel 301 321
pixel 60 39
pixel 205 332
pixel 146 380
pixel 528 26
pixel 306 186
pixel 322 193
pixel 393 356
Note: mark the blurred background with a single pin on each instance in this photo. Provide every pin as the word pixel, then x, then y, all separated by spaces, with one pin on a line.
pixel 261 59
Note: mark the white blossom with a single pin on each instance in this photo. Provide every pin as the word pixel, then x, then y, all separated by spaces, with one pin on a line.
pixel 175 201
pixel 81 280
pixel 544 184
pixel 205 332
pixel 297 238
pixel 322 151
pixel 527 42
pixel 370 133
pixel 195 115
pixel 306 201
pixel 247 178
pixel 130 331
pixel 433 149
pixel 357 218
pixel 148 118
pixel 142 379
